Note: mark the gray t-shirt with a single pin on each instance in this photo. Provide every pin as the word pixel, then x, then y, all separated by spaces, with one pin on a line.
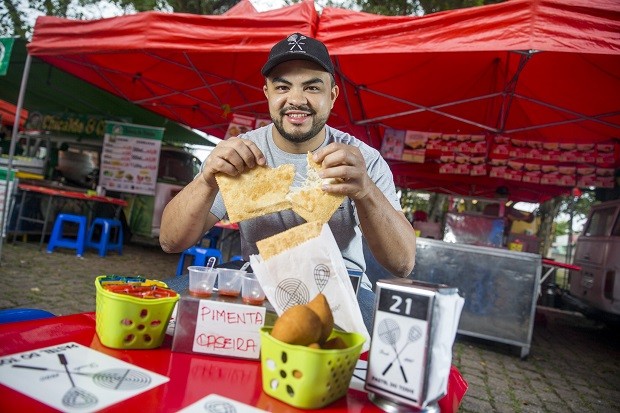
pixel 344 223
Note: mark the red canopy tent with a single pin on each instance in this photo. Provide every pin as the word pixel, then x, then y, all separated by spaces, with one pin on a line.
pixel 194 69
pixel 534 71
pixel 7 114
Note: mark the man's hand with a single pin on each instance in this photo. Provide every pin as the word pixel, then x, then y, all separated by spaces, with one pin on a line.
pixel 386 229
pixel 232 157
pixel 346 164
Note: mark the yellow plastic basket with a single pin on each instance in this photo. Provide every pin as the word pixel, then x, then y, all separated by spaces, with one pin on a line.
pixel 127 322
pixel 305 377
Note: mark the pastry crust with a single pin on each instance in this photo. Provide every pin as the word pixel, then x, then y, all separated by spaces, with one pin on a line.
pixel 310 201
pixel 259 191
pixel 288 239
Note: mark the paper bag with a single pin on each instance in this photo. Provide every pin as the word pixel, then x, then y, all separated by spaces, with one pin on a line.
pixel 296 275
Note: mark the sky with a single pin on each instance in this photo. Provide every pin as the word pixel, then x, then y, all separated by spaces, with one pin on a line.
pixel 103 9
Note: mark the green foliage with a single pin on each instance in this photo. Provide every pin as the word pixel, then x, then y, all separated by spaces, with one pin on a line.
pixel 561 228
pixel 202 7
pixel 416 7
pixel 580 206
pixel 17 17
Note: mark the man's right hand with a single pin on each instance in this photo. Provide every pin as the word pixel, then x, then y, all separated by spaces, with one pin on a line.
pixel 232 157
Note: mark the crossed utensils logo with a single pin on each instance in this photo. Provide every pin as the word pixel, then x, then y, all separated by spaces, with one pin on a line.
pixel 115 379
pixel 296 42
pixel 389 333
pixel 293 291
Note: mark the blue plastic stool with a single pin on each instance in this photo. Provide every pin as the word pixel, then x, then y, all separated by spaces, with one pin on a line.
pixel 58 240
pixel 213 236
pixel 201 255
pixel 111 238
pixel 237 258
pixel 11 315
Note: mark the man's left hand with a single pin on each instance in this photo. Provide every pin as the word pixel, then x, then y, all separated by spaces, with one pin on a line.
pixel 346 165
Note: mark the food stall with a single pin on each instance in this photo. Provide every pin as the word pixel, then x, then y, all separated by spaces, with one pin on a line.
pixel 500 287
pixel 496 270
pixel 470 250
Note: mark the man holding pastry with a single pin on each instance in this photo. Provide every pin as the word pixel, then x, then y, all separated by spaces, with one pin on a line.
pixel 334 177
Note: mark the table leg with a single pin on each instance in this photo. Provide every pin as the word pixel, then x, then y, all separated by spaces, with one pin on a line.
pixel 19 215
pixel 45 220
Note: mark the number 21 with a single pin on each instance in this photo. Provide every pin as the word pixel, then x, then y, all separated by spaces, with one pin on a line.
pixel 398 300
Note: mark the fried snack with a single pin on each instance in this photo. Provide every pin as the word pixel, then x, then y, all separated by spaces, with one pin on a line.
pixel 336 343
pixel 288 239
pixel 321 307
pixel 310 201
pixel 297 325
pixel 259 191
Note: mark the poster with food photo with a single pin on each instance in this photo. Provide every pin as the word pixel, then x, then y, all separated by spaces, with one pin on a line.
pixel 130 158
pixel 393 144
pixel 415 146
pixel 260 122
pixel 240 124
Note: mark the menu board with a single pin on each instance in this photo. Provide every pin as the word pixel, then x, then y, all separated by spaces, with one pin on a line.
pixel 549 163
pixel 130 158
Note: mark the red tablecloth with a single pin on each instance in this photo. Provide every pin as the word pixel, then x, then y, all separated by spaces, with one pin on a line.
pixel 192 376
pixel 72 194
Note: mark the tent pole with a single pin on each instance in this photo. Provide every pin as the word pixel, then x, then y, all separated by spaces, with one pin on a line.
pixel 18 112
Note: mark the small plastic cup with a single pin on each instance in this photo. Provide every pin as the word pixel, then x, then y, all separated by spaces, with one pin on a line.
pixel 201 281
pixel 251 291
pixel 229 281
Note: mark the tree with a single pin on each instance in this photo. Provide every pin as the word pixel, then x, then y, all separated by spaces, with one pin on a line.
pixel 17 17
pixel 416 7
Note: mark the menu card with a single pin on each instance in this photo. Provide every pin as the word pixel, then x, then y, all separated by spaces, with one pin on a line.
pixel 71 377
pixel 130 158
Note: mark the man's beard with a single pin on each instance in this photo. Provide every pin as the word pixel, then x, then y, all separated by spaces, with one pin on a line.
pixel 299 137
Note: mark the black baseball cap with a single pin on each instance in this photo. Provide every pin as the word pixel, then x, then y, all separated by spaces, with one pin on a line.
pixel 298 47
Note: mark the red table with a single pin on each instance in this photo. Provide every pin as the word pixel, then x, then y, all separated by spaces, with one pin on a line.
pixel 227 225
pixel 192 376
pixel 551 267
pixel 56 194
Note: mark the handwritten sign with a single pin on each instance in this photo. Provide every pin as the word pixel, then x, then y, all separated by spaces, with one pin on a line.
pixel 228 329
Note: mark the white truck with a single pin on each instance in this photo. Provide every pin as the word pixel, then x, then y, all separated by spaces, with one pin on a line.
pixel 595 288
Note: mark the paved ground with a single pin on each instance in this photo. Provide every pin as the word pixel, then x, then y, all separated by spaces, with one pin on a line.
pixel 573 366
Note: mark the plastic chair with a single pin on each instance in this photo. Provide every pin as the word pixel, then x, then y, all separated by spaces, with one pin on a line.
pixel 110 239
pixel 11 315
pixel 200 256
pixel 213 236
pixel 58 240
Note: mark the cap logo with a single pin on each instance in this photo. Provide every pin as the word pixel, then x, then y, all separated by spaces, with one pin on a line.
pixel 296 42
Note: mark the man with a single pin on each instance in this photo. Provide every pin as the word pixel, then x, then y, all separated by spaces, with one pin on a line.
pixel 301 91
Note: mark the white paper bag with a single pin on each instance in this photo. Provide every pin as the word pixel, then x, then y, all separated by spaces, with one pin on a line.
pixel 296 275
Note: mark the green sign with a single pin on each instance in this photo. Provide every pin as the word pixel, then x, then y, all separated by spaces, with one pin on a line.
pixel 89 126
pixel 6 45
pixel 135 131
